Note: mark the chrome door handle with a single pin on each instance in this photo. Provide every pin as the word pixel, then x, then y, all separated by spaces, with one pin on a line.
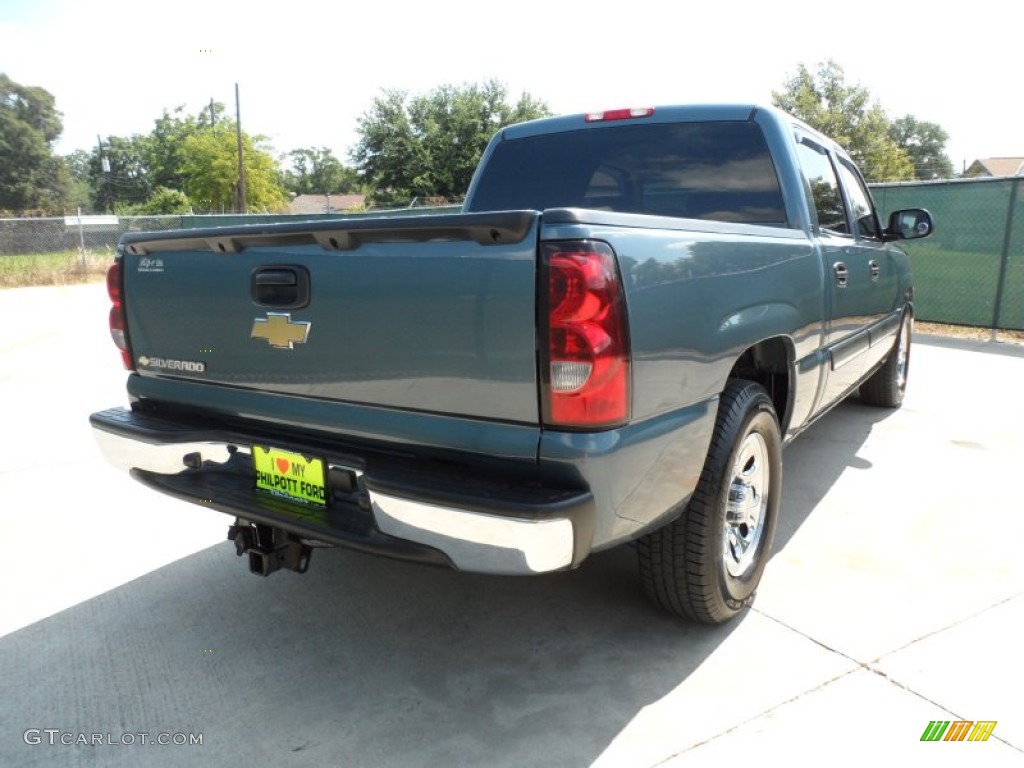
pixel 841 273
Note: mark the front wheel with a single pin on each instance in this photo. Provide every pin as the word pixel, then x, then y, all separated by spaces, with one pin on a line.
pixel 706 564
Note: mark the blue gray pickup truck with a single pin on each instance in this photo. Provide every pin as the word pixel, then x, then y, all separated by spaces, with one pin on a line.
pixel 611 343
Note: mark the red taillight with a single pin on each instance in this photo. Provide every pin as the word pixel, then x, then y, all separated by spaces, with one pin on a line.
pixel 586 355
pixel 118 331
pixel 619 114
pixel 114 282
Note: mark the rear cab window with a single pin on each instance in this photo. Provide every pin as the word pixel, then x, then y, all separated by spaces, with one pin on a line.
pixel 716 170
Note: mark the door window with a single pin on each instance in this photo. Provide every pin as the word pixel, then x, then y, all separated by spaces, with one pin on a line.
pixel 860 200
pixel 825 194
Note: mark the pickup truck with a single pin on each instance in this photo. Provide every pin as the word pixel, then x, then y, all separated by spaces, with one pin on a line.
pixel 611 343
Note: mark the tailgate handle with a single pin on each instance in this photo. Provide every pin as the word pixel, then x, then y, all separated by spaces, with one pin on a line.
pixel 281 287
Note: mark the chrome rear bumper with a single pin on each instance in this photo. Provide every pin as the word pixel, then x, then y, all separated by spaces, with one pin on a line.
pixel 479 534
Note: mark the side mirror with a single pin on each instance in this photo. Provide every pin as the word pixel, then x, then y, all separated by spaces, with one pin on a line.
pixel 909 224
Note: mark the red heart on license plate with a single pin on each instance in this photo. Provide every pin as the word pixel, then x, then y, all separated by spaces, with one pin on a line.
pixel 282 465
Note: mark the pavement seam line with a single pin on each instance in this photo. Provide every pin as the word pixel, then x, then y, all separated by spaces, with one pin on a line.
pixel 860 665
pixel 877 659
pixel 761 714
pixel 870 665
pixel 956 623
pixel 814 640
pixel 918 694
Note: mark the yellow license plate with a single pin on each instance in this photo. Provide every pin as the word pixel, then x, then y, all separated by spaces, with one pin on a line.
pixel 289 474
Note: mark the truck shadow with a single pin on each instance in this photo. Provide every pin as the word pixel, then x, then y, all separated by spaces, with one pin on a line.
pixel 365 661
pixel 362 661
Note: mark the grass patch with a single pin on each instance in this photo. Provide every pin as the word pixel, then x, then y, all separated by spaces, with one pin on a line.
pixel 966 332
pixel 61 268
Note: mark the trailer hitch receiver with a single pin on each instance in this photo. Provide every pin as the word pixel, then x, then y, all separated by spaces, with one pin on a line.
pixel 270 549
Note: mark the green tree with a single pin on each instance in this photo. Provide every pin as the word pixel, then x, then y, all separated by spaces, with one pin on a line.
pixel 164 148
pixel 316 171
pixel 848 115
pixel 166 201
pixel 926 144
pixel 185 160
pixel 162 202
pixel 210 168
pixel 118 173
pixel 80 192
pixel 429 145
pixel 31 176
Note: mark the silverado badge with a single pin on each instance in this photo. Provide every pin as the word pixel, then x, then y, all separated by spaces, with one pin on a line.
pixel 279 330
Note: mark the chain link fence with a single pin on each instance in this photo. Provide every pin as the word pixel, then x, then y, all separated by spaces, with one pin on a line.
pixel 38 236
pixel 51 251
pixel 31 237
pixel 970 271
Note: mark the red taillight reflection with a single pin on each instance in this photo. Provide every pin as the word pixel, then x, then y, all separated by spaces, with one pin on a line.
pixel 118 331
pixel 587 351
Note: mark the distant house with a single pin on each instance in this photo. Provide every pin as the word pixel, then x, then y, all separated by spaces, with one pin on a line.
pixel 996 166
pixel 326 203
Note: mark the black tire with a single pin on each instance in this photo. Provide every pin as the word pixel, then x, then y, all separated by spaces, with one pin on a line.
pixel 697 566
pixel 886 386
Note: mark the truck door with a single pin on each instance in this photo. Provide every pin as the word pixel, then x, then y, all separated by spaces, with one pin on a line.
pixel 847 285
pixel 870 258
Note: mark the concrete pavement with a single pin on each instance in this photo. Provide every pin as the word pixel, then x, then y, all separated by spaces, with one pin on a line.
pixel 895 598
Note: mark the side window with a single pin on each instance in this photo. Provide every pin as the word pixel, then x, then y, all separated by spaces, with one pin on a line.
pixel 820 174
pixel 860 200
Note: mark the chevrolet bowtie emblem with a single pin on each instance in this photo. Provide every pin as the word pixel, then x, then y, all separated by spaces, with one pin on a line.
pixel 279 330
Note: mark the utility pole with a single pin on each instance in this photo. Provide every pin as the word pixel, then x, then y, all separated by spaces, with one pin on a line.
pixel 105 168
pixel 213 117
pixel 241 206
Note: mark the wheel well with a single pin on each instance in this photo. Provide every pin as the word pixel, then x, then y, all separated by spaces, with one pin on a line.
pixel 769 363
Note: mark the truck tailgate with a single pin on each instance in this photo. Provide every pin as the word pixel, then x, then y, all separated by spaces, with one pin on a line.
pixel 425 313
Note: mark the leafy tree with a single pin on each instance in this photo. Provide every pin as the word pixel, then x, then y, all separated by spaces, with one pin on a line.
pixel 210 168
pixel 316 171
pixel 31 176
pixel 164 148
pixel 389 154
pixel 162 202
pixel 167 201
pixel 926 144
pixel 118 173
pixel 78 164
pixel 429 145
pixel 847 114
pixel 193 154
pixel 80 190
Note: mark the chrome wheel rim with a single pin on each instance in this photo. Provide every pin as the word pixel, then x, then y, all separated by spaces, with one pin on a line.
pixel 747 505
pixel 903 355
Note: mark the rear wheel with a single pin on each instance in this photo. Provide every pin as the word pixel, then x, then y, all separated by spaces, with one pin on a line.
pixel 886 386
pixel 706 564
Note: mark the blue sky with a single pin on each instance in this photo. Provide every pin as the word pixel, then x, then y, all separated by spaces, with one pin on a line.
pixel 307 69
